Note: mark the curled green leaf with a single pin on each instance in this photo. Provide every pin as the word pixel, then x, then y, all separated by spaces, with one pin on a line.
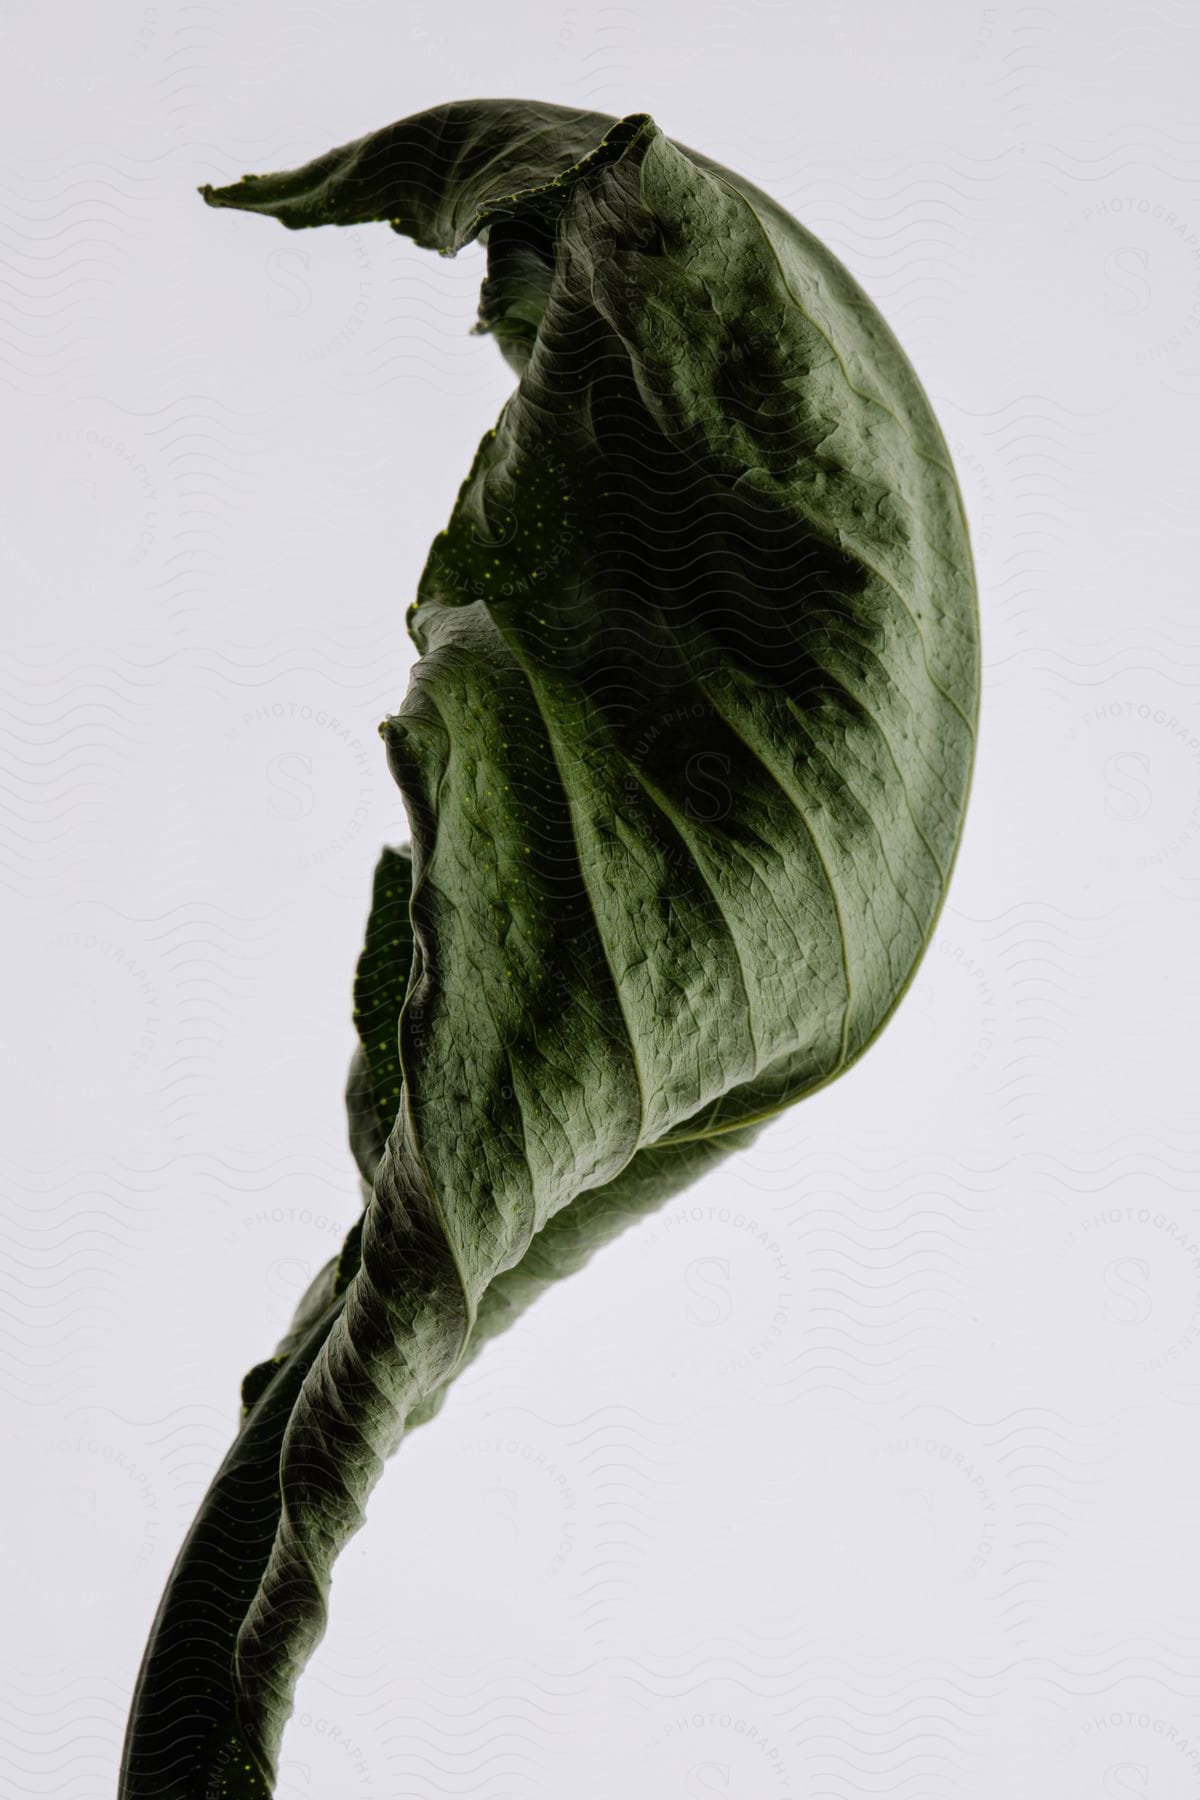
pixel 685 759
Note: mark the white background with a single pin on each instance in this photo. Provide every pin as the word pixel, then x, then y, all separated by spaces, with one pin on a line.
pixel 871 1467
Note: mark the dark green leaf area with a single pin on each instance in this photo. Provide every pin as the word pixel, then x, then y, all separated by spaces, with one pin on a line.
pixel 256 1381
pixel 685 759
pixel 380 983
pixel 762 748
pixel 188 1736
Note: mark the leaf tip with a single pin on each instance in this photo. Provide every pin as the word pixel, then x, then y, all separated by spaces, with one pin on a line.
pixel 218 196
